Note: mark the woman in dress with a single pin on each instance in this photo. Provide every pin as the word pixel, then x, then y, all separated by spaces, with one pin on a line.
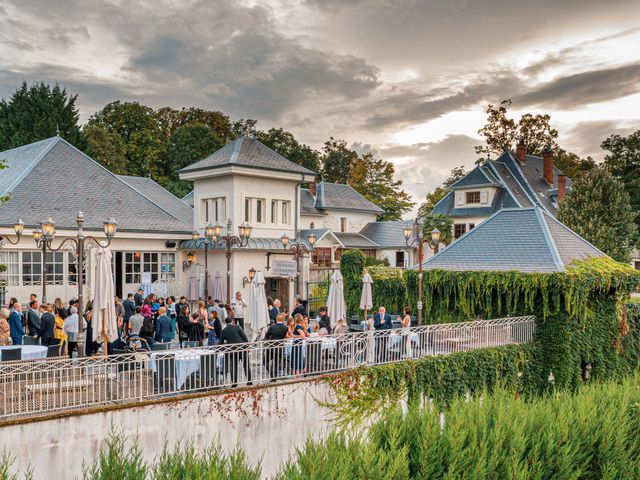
pixel 297 353
pixel 182 323
pixel 195 329
pixel 203 313
pixel 90 347
pixel 5 337
pixel 405 347
pixel 214 329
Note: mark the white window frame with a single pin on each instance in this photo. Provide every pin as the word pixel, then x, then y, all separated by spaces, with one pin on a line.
pixel 32 258
pixel 167 266
pixel 11 276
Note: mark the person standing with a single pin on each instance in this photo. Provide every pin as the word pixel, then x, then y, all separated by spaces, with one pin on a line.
pixel 275 351
pixel 382 323
pixel 219 309
pixel 233 334
pixel 129 306
pixel 325 321
pixel 163 326
pixel 298 308
pixel 297 353
pixel 194 328
pixel 5 330
pixel 405 321
pixel 119 315
pixel 138 298
pixel 47 326
pixel 33 319
pixel 71 329
pixel 238 305
pixel 171 311
pixel 214 329
pixel 16 332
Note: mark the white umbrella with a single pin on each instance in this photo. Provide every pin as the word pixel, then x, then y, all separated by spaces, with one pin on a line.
pixel 336 306
pixel 366 299
pixel 218 288
pixel 258 310
pixel 104 311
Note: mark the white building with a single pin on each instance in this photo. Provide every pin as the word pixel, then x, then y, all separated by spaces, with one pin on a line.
pixel 245 181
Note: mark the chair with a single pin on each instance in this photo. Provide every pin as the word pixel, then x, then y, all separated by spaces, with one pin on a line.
pixel 53 351
pixel 27 340
pixel 208 369
pixel 190 344
pixel 10 354
pixel 160 346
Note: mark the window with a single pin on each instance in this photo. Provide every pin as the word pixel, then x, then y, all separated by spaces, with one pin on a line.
pixel 473 197
pixel 11 276
pixel 54 268
pixel 312 225
pixel 343 224
pixel 214 210
pixel 321 256
pixel 132 267
pixel 31 268
pixel 400 263
pixel 459 229
pixel 472 226
pixel 72 277
pixel 167 267
pixel 260 213
pixel 150 264
pixel 247 210
pixel 285 212
pixel 274 211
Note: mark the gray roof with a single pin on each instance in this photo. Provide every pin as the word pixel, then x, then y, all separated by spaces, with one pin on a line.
pixel 339 196
pixel 254 244
pixel 477 177
pixel 308 203
pixel 247 152
pixel 355 240
pixel 387 234
pixel 318 232
pixel 502 199
pixel 520 239
pixel 53 178
pixel 188 198
pixel 160 196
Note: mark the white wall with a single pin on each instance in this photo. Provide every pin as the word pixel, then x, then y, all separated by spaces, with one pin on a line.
pixel 355 220
pixel 286 416
pixel 486 197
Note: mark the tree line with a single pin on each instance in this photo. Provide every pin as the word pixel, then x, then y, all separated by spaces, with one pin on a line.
pixel 130 138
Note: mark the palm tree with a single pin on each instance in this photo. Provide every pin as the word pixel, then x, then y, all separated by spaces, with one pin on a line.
pixel 442 222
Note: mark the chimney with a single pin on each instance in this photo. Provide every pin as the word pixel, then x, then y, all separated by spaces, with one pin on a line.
pixel 547 165
pixel 521 151
pixel 313 186
pixel 562 187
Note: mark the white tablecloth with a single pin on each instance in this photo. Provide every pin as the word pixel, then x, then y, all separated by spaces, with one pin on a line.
pixel 160 289
pixel 395 338
pixel 29 352
pixel 187 362
pixel 327 344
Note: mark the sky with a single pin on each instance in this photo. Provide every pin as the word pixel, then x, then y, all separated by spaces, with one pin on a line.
pixel 406 79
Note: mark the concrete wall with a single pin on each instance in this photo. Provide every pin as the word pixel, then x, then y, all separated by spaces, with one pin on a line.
pixel 286 416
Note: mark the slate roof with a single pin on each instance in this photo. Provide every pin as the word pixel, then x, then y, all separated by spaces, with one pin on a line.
pixel 160 196
pixel 522 185
pixel 318 232
pixel 53 178
pixel 355 240
pixel 188 198
pixel 520 239
pixel 387 234
pixel 247 152
pixel 308 203
pixel 339 196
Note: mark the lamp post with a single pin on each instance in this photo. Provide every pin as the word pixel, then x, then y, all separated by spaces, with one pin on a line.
pixel 44 237
pixel 298 248
pixel 209 239
pixel 417 241
pixel 252 274
pixel 228 241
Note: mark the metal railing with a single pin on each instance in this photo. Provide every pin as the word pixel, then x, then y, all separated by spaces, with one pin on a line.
pixel 39 387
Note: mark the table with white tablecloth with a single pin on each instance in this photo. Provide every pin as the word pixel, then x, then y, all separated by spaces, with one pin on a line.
pixel 187 362
pixel 29 352
pixel 326 344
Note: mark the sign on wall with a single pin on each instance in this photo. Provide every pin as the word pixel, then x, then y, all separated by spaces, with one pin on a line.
pixel 284 268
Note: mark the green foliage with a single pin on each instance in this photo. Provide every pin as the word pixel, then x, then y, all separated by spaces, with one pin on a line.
pixel 37 112
pixel 352 264
pixel 107 148
pixel 440 192
pixel 336 161
pixel 375 262
pixel 598 209
pixel 442 222
pixel 117 460
pixel 285 144
pixel 623 162
pixel 388 289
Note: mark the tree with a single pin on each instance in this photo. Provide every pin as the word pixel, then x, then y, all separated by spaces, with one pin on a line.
pixel 336 161
pixel 189 143
pixel 285 144
pixel 442 222
pixel 439 193
pixel 623 162
pixel 374 179
pixel 169 120
pixel 598 209
pixel 37 112
pixel 107 148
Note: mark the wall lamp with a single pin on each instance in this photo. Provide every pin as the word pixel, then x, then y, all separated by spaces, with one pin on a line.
pixel 245 280
pixel 189 261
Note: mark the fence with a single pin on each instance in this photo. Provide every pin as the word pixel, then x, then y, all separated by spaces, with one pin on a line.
pixel 38 387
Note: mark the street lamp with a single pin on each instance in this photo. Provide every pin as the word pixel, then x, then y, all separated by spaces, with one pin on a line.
pixel 298 248
pixel 18 228
pixel 228 241
pixel 210 238
pixel 44 237
pixel 414 238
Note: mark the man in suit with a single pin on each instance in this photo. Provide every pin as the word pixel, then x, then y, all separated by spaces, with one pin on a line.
pixel 163 326
pixel 382 323
pixel 138 298
pixel 324 321
pixel 275 351
pixel 16 332
pixel 33 319
pixel 47 325
pixel 299 308
pixel 129 309
pixel 232 334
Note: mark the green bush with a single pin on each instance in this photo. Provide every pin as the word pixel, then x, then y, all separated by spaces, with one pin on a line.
pixel 389 289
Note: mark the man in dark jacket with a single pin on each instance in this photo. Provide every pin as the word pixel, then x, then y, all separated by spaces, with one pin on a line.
pixel 275 351
pixel 232 334
pixel 325 321
pixel 16 332
pixel 47 326
pixel 163 326
pixel 299 308
pixel 33 319
pixel 138 298
pixel 129 309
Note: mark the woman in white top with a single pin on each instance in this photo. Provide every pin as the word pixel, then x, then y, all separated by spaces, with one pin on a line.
pixel 70 327
pixel 406 333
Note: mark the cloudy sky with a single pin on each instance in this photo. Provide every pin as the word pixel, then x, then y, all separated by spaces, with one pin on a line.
pixel 408 79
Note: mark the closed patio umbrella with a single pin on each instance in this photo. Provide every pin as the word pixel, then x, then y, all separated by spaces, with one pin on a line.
pixel 258 310
pixel 218 287
pixel 366 298
pixel 104 321
pixel 336 306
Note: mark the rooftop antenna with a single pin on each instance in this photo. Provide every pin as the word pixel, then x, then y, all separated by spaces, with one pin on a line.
pixel 57 130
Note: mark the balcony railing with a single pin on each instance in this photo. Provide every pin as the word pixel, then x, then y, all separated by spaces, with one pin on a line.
pixel 41 387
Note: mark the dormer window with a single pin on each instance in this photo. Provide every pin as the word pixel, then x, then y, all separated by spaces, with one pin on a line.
pixel 473 197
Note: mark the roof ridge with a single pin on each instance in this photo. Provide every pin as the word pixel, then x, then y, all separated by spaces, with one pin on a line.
pixel 119 179
pixel 52 141
pixel 504 184
pixel 577 235
pixel 553 248
pixel 528 189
